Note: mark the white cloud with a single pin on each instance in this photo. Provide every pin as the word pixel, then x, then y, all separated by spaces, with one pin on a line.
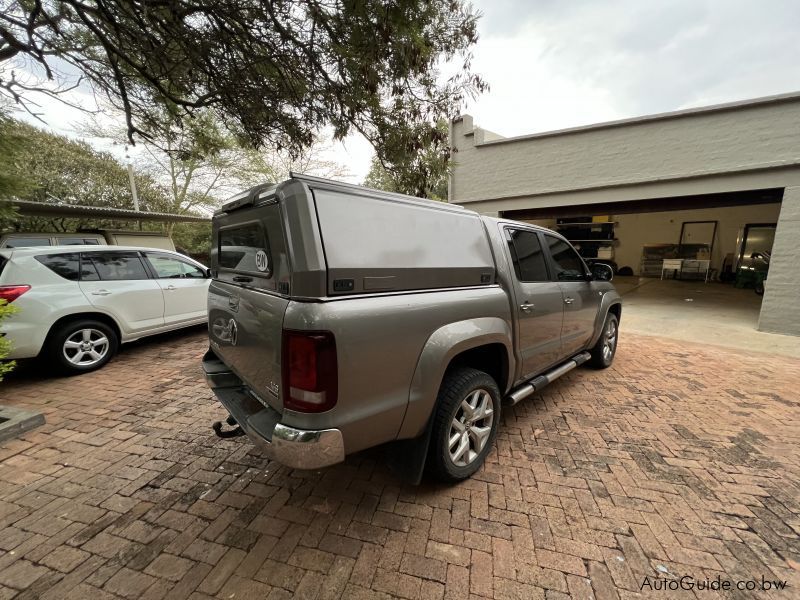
pixel 557 64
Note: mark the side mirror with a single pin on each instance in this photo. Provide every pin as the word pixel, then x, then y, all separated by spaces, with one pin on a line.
pixel 602 272
pixel 208 274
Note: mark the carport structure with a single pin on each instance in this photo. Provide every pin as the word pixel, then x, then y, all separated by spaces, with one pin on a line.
pixel 734 164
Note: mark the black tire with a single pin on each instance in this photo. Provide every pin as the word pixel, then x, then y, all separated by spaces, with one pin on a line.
pixel 73 332
pixel 759 288
pixel 602 356
pixel 459 385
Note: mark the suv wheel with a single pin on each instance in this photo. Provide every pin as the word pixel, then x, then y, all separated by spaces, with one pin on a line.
pixel 465 423
pixel 606 347
pixel 82 346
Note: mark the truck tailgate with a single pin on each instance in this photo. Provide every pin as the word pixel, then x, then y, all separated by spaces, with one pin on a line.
pixel 245 331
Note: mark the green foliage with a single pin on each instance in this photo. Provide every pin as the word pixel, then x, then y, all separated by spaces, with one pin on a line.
pixel 12 181
pixel 423 172
pixel 275 72
pixel 6 310
pixel 58 169
pixel 194 239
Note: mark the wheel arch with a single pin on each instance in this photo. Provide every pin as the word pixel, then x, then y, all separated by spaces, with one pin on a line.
pixel 97 316
pixel 484 343
pixel 611 304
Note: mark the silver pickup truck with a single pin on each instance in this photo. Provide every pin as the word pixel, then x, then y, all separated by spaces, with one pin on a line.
pixel 343 318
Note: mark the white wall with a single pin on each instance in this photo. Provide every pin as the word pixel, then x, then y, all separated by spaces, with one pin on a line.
pixel 747 137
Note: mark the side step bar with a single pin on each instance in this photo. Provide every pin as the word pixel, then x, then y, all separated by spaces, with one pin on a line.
pixel 537 383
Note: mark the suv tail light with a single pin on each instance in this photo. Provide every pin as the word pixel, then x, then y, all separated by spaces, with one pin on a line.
pixel 310 374
pixel 9 293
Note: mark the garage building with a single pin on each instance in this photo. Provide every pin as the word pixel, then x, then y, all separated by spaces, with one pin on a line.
pixel 689 184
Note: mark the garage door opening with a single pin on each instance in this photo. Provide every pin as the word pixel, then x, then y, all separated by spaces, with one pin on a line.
pixel 690 266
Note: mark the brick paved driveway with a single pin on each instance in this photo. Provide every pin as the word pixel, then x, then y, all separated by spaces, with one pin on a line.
pixel 681 460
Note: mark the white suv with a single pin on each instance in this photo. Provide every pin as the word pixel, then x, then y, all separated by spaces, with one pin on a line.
pixel 78 303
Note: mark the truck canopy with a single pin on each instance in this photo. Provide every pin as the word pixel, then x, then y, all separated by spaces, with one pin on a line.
pixel 339 239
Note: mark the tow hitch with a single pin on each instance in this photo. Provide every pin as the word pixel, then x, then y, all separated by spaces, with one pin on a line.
pixel 230 433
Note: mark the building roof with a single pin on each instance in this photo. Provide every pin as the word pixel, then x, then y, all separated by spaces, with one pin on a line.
pixel 675 114
pixel 44 209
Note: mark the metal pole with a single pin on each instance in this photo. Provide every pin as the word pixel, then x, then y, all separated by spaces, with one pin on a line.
pixel 133 188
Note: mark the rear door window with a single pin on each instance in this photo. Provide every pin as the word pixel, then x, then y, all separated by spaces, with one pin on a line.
pixel 244 249
pixel 530 264
pixel 65 265
pixel 88 270
pixel 170 267
pixel 117 266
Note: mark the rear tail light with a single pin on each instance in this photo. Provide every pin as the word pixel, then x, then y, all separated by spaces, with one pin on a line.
pixel 310 375
pixel 9 293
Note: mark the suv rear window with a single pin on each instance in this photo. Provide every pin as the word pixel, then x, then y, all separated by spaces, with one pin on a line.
pixel 65 265
pixel 244 248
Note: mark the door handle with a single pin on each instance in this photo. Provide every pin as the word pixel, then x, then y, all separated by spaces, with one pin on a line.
pixel 169 288
pixel 242 279
pixel 526 307
pixel 569 300
pixel 101 293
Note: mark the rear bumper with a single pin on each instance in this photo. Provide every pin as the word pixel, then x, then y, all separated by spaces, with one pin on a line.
pixel 296 448
pixel 26 338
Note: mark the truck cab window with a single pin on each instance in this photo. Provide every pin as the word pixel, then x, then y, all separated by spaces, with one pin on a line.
pixel 568 264
pixel 526 251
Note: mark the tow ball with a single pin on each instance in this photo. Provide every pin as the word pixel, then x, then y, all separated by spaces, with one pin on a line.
pixel 230 433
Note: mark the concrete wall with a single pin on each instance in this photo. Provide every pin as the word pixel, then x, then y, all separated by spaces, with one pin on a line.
pixel 730 139
pixel 780 310
pixel 747 145
pixel 636 230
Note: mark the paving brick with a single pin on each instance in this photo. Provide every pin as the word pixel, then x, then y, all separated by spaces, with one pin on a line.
pixel 663 459
pixel 449 553
pixel 64 558
pixel 169 566
pixel 21 574
pixel 128 583
pixel 558 561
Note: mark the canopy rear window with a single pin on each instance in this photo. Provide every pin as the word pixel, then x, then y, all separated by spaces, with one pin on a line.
pixel 245 249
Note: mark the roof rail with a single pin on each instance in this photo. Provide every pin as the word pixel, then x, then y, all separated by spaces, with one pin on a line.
pixel 322 182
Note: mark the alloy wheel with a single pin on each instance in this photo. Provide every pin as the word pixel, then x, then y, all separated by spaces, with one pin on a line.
pixel 471 427
pixel 86 347
pixel 610 340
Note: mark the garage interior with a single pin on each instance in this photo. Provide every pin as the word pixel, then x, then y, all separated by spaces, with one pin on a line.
pixel 691 208
pixel 711 294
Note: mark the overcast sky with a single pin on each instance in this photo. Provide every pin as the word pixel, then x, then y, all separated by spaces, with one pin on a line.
pixel 552 64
